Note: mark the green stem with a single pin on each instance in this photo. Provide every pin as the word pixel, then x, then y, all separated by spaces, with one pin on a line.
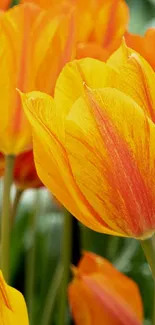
pixel 66 259
pixel 30 259
pixel 148 246
pixel 6 213
pixel 16 201
pixel 51 296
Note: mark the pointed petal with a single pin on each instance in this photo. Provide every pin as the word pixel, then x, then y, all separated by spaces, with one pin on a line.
pixel 143 45
pixel 12 305
pixel 108 143
pixel 70 84
pixel 135 78
pixel 111 24
pixel 52 162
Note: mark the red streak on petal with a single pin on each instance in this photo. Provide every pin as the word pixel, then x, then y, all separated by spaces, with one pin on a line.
pixel 117 308
pixel 124 175
pixel 4 294
pixel 150 104
pixel 80 194
pixel 23 72
pixel 110 24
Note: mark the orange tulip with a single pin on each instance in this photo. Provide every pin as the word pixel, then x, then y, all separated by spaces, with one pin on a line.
pixel 34 55
pixel 99 133
pixel 25 175
pixel 99 294
pixel 100 24
pixel 12 305
pixel 143 44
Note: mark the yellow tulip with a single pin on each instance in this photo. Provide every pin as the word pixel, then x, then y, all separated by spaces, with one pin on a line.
pixel 32 54
pixel 99 294
pixel 94 143
pixel 13 309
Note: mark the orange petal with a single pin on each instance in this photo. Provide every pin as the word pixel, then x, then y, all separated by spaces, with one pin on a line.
pixel 111 24
pixel 4 4
pixel 143 44
pixel 102 294
pixel 93 50
pixel 25 175
pixel 59 50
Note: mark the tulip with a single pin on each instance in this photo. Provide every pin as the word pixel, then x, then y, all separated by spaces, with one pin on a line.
pixel 143 44
pixel 30 39
pixel 25 175
pixel 99 294
pixel 99 133
pixel 12 305
pixel 105 22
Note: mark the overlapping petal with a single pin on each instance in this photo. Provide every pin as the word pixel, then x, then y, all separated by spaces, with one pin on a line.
pixel 54 169
pixel 108 143
pixel 105 22
pixel 12 305
pixel 143 44
pixel 101 293
pixel 135 77
pixel 99 135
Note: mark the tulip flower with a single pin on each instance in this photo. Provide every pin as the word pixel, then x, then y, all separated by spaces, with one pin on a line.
pixel 99 294
pixel 12 305
pixel 25 175
pixel 30 39
pixel 143 44
pixel 94 143
pixel 105 22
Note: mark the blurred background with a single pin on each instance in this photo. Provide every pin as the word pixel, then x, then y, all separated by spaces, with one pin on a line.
pixel 37 231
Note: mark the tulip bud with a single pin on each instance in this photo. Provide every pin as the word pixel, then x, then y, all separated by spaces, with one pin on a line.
pixel 100 294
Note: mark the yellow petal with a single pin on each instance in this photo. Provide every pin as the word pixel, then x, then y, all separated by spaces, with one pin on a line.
pixel 70 84
pixel 111 149
pixel 52 162
pixel 12 305
pixel 135 78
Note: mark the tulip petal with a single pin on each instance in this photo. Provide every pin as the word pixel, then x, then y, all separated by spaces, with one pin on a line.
pixel 126 288
pixel 116 310
pixel 135 78
pixel 90 71
pixel 111 149
pixel 111 24
pixel 15 134
pixel 59 49
pixel 143 44
pixel 12 305
pixel 52 162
